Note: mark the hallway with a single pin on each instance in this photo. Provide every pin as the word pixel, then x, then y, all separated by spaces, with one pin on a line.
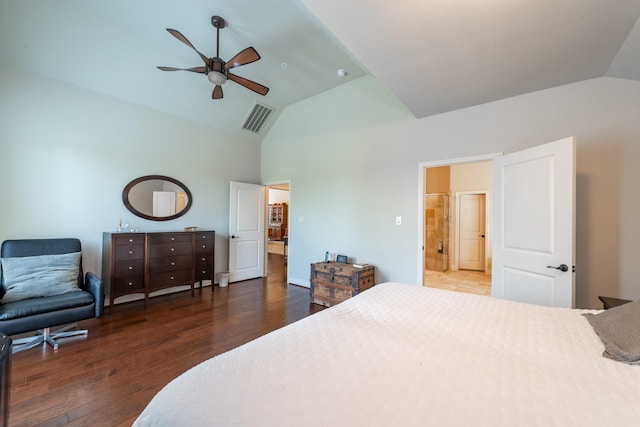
pixel 473 282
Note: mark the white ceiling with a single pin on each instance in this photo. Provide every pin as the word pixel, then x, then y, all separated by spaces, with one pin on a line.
pixel 435 55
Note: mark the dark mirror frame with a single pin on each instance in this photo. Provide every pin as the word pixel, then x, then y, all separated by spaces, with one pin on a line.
pixel 129 186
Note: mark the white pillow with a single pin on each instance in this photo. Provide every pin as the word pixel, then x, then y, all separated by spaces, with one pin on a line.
pixel 40 276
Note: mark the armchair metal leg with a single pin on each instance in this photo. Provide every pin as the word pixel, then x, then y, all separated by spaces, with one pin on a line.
pixel 45 336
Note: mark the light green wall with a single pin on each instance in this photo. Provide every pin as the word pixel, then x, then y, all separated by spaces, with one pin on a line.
pixel 350 182
pixel 351 155
pixel 66 154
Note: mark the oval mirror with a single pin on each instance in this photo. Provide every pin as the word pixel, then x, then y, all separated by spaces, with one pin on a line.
pixel 157 197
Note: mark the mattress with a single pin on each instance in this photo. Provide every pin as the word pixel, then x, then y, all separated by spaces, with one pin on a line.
pixel 405 355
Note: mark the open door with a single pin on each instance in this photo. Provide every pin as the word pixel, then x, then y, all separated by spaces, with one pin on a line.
pixel 246 231
pixel 534 225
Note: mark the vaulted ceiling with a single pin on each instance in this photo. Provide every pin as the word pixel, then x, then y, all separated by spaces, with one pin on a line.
pixel 434 55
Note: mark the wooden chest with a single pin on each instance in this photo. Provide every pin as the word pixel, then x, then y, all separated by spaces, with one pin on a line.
pixel 332 283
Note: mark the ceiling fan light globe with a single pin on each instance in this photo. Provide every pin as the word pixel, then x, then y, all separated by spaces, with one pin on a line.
pixel 216 78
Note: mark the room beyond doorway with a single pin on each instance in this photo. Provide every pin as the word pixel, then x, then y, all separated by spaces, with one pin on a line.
pixel 451 259
pixel 277 225
pixel 471 282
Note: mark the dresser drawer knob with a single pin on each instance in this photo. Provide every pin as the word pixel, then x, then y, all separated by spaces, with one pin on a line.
pixel 204 246
pixel 204 271
pixel 173 263
pixel 130 252
pixel 204 258
pixel 173 278
pixel 130 267
pixel 173 238
pixel 130 283
pixel 130 240
pixel 172 249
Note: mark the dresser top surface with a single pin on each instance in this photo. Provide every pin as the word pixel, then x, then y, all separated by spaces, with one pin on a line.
pixel 125 233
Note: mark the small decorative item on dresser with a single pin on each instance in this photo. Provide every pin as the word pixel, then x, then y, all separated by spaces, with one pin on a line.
pixel 332 283
pixel 361 265
pixel 341 259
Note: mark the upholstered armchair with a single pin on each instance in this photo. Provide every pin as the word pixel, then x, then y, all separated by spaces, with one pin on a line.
pixel 43 286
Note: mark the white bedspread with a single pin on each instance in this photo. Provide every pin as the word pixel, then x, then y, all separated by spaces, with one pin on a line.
pixel 403 355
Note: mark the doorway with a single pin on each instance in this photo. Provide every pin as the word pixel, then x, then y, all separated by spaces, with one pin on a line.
pixel 277 226
pixel 471 229
pixel 458 257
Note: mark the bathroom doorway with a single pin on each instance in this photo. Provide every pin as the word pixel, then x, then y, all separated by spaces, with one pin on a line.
pixel 457 215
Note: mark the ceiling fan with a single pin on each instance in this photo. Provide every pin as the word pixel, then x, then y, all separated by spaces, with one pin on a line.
pixel 217 70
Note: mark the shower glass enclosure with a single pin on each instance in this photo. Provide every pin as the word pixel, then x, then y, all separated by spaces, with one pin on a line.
pixel 437 232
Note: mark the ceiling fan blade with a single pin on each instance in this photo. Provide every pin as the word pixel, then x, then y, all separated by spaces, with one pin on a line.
pixel 177 34
pixel 247 56
pixel 249 84
pixel 217 92
pixel 201 70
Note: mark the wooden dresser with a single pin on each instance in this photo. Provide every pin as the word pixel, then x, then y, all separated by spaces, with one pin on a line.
pixel 141 263
pixel 332 282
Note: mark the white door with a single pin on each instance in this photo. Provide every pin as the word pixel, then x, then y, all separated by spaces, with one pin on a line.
pixel 472 231
pixel 246 231
pixel 164 203
pixel 534 226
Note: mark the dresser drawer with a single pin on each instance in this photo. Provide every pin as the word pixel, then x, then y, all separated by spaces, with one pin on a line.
pixel 169 278
pixel 204 270
pixel 128 239
pixel 128 276
pixel 203 236
pixel 129 268
pixel 169 249
pixel 129 252
pixel 128 284
pixel 204 246
pixel 169 238
pixel 171 263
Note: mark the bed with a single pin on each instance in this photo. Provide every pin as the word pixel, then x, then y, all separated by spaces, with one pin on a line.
pixel 405 355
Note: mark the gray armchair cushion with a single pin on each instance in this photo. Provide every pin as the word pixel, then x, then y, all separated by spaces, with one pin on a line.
pixel 39 276
pixel 32 307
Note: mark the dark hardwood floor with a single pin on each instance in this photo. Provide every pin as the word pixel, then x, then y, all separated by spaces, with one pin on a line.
pixel 107 378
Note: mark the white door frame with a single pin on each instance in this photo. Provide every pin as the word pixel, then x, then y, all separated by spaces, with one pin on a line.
pixel 421 187
pixel 487 228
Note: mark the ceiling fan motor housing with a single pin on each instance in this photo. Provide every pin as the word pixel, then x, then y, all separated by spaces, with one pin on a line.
pixel 217 73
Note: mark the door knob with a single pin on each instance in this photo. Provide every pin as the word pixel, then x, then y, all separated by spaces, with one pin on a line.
pixel 233 237
pixel 561 267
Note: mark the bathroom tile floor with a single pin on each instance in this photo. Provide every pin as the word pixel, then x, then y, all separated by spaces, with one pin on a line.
pixel 474 282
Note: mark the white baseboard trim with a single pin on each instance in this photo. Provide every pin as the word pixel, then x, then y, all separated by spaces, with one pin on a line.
pixel 305 283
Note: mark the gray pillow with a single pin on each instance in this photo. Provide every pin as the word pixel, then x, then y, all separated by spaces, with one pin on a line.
pixel 619 330
pixel 40 276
